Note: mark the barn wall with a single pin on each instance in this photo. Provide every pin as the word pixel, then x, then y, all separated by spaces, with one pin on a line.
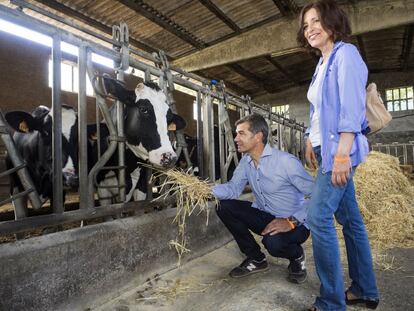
pixel 82 268
pixel 24 80
pixel 400 129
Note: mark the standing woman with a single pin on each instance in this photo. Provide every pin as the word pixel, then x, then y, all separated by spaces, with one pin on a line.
pixel 335 142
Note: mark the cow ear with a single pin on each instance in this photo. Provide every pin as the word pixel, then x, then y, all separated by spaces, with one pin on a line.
pixel 178 121
pixel 140 87
pixel 21 121
pixel 117 89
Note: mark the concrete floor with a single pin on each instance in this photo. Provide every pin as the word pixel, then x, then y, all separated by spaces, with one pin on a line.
pixel 203 284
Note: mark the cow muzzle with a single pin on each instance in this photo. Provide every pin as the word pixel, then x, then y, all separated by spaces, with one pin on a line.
pixel 168 159
pixel 70 180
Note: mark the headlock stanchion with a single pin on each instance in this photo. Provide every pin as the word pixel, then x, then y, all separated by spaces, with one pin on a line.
pixel 228 152
pixel 120 54
pixel 166 84
pixel 121 34
pixel 19 167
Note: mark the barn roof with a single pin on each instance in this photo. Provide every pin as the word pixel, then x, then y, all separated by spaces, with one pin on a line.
pixel 250 44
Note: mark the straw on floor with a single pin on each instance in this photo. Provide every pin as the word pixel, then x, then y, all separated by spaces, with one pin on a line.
pixel 192 196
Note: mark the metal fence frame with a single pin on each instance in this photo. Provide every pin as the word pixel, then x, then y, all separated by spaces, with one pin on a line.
pixel 119 54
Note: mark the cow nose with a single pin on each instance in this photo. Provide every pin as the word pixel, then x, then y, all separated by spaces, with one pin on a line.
pixel 168 159
pixel 70 180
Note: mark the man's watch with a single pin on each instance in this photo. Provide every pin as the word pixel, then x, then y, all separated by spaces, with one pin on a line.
pixel 294 221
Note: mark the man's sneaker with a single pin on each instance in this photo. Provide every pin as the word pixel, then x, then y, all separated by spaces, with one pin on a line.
pixel 297 270
pixel 249 266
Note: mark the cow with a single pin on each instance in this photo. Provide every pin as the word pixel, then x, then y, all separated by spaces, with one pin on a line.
pixel 146 120
pixel 33 139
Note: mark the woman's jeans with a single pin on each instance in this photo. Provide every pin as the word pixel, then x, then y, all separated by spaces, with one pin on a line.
pixel 326 202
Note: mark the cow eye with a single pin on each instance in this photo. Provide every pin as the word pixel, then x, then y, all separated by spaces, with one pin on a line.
pixel 143 110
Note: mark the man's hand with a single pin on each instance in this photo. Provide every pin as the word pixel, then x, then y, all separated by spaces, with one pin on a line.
pixel 310 156
pixel 276 226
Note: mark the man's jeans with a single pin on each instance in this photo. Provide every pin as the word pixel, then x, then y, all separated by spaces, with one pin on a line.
pixel 327 201
pixel 240 217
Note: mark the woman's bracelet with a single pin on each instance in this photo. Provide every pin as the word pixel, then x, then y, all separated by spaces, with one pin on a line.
pixel 341 159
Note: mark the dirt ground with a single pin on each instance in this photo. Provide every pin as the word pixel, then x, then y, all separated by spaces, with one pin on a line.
pixel 203 284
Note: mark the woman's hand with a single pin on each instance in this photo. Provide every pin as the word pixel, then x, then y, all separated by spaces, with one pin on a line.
pixel 342 166
pixel 341 170
pixel 310 156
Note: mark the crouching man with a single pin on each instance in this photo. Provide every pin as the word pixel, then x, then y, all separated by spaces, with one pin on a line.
pixel 279 183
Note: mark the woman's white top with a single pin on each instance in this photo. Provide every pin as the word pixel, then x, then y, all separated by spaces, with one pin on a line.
pixel 315 98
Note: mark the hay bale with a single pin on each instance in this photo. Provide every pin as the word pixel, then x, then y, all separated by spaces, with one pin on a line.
pixel 386 199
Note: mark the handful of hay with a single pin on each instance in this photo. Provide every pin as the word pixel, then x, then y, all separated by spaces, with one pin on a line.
pixel 192 195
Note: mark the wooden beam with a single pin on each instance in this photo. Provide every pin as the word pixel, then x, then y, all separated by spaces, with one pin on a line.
pixel 91 22
pixel 281 34
pixel 287 7
pixel 250 76
pixel 281 69
pixel 163 21
pixel 408 43
pixel 219 13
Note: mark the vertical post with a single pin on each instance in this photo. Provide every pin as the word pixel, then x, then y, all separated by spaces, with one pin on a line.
pixel 200 136
pixel 279 134
pixel 222 141
pixel 208 137
pixel 57 127
pixel 121 34
pixel 147 78
pixel 82 124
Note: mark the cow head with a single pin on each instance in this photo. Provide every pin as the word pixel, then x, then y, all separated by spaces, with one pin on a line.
pixel 33 138
pixel 146 121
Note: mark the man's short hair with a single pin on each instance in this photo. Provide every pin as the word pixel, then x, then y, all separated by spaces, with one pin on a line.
pixel 256 124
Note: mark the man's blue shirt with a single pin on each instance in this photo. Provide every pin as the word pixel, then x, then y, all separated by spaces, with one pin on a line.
pixel 279 183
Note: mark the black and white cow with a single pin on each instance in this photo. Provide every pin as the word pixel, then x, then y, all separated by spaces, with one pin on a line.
pixel 33 139
pixel 146 120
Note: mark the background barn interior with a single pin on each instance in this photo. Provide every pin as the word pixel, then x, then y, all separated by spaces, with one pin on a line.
pixel 249 44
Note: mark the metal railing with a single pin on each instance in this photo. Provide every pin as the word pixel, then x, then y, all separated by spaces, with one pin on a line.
pixel 122 56
pixel 403 151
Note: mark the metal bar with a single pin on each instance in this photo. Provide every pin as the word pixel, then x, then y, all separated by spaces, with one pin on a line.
pixel 147 78
pixel 222 141
pixel 12 170
pixel 163 21
pixel 17 196
pixel 199 135
pixel 57 127
pixel 20 18
pixel 208 138
pixel 30 223
pixel 58 7
pixel 82 125
pixel 17 162
pixel 221 15
pixel 113 141
pixel 120 33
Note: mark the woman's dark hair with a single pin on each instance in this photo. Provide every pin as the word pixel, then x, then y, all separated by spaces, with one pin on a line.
pixel 332 17
pixel 256 124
